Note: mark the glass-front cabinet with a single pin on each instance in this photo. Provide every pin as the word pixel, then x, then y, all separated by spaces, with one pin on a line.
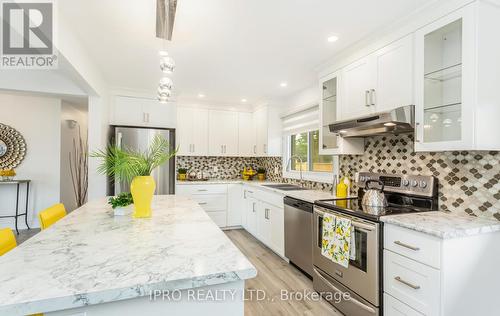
pixel 444 61
pixel 330 143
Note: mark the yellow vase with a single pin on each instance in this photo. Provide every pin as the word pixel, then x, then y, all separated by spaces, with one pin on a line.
pixel 142 189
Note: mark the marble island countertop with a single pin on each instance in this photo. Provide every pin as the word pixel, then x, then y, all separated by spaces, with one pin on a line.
pixel 444 225
pixel 309 195
pixel 90 257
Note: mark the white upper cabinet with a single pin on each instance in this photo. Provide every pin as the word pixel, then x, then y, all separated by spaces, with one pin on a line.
pixel 332 144
pixel 247 135
pixel 192 131
pixel 267 124
pixel 142 112
pixel 394 75
pixel 457 67
pixel 358 82
pixel 378 82
pixel 223 133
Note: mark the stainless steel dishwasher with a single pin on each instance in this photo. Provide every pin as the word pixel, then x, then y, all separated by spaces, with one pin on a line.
pixel 298 233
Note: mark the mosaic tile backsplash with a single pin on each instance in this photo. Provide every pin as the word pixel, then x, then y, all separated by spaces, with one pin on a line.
pixel 469 182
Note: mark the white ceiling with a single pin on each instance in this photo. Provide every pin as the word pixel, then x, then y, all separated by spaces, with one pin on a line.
pixel 226 49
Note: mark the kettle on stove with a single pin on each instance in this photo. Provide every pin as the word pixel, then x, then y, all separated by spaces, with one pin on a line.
pixel 374 196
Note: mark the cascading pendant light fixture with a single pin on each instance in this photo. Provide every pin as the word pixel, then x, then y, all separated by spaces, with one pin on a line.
pixel 165 17
pixel 167 66
pixel 165 89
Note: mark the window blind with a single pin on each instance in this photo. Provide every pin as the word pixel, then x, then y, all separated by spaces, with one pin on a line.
pixel 302 121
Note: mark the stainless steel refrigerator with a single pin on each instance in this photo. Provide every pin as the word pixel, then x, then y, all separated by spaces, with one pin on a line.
pixel 137 138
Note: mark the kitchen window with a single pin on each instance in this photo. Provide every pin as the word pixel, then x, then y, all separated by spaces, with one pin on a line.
pixel 301 139
pixel 306 146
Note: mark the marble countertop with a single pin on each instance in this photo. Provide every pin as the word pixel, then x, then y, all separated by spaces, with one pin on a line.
pixel 304 195
pixel 91 257
pixel 444 225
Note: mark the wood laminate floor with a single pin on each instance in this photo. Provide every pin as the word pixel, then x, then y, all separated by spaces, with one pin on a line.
pixel 274 275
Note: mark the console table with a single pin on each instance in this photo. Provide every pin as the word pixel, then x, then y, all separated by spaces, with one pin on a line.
pixel 18 183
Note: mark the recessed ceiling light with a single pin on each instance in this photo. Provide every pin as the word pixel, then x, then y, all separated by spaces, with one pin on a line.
pixel 243 100
pixel 201 95
pixel 333 38
pixel 283 84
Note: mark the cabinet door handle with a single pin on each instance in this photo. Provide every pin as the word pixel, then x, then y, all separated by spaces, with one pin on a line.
pixel 267 213
pixel 203 203
pixel 402 244
pixel 413 286
pixel 265 148
pixel 255 149
pixel 147 117
pixel 367 92
pixel 225 149
pixel 202 190
pixel 372 97
pixel 194 150
pixel 253 207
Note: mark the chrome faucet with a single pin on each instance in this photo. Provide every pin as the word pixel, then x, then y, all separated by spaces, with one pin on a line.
pixel 300 169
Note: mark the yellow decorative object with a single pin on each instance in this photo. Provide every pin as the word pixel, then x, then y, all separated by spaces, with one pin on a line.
pixel 261 176
pixel 51 215
pixel 248 174
pixel 182 176
pixel 7 241
pixel 142 189
pixel 7 174
pixel 342 189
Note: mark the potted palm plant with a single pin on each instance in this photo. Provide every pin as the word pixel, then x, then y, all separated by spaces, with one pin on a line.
pixel 135 167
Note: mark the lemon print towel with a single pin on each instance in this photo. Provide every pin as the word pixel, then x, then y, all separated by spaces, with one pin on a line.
pixel 342 241
pixel 328 236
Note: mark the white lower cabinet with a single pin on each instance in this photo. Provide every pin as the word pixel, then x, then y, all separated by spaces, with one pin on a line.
pixel 426 275
pixel 213 198
pixel 393 307
pixel 263 217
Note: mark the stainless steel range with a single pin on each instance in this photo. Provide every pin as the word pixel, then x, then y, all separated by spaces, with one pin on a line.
pixel 362 279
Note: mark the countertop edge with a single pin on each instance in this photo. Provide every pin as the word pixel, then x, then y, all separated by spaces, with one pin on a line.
pixel 442 234
pixel 115 295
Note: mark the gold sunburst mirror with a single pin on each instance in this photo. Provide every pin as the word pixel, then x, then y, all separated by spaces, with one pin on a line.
pixel 12 147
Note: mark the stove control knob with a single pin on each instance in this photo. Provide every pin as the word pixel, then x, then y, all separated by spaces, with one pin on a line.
pixel 423 184
pixel 414 183
pixel 406 182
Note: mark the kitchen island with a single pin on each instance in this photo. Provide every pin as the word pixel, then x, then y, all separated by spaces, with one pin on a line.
pixel 176 262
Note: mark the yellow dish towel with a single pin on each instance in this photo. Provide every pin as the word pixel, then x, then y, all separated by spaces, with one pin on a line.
pixel 342 241
pixel 328 236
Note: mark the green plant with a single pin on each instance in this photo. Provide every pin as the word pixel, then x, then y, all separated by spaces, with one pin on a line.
pixel 182 170
pixel 126 164
pixel 261 170
pixel 123 199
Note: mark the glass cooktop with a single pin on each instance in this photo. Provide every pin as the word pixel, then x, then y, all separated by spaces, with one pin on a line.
pixel 354 207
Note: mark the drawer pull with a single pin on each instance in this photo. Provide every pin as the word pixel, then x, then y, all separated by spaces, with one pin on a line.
pixel 402 244
pixel 203 203
pixel 415 287
pixel 202 190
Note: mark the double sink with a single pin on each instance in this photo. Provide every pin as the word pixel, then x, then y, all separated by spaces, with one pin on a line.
pixel 284 187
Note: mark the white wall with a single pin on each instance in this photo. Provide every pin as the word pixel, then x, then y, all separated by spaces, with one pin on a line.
pixel 69 132
pixel 38 120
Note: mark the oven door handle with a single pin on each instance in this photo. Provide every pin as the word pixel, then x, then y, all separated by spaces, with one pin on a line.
pixel 353 221
pixel 351 299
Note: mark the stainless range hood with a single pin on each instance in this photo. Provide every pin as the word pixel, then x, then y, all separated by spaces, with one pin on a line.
pixel 396 121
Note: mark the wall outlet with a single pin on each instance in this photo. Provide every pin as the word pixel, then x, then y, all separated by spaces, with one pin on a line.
pixel 276 169
pixel 216 168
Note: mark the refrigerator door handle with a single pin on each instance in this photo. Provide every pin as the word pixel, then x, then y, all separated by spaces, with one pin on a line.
pixel 119 137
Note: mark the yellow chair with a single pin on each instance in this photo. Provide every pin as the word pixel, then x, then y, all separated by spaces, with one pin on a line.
pixel 7 240
pixel 51 215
